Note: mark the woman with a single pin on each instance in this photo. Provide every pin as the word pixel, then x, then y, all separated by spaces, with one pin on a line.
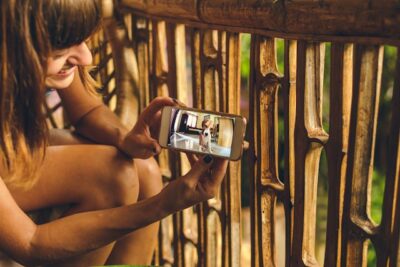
pixel 103 175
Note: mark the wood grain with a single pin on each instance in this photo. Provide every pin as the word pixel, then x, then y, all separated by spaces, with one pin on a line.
pixel 127 74
pixel 289 100
pixel 336 148
pixel 309 140
pixel 265 184
pixel 231 193
pixel 357 226
pixel 318 20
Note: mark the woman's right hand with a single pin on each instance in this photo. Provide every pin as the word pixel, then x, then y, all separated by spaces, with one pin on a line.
pixel 201 183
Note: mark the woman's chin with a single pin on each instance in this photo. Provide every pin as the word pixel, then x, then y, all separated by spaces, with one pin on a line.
pixel 59 83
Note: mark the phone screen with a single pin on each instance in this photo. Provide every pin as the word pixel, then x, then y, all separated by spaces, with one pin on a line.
pixel 201 132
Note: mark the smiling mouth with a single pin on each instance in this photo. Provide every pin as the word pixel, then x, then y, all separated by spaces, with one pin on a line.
pixel 66 70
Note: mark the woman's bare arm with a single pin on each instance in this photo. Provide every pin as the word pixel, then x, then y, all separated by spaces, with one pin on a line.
pixel 91 118
pixel 70 236
pixel 29 243
pixel 97 122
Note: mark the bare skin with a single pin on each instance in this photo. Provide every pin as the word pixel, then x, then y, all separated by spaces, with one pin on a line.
pixel 137 247
pixel 106 184
pixel 69 176
pixel 96 122
pixel 74 237
pixel 83 232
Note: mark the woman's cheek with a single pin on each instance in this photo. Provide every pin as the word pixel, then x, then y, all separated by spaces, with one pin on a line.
pixel 54 66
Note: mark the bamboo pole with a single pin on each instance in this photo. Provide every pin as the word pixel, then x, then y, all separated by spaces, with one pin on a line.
pixel 310 19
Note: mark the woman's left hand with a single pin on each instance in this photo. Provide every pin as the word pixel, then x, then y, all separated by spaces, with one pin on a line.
pixel 141 141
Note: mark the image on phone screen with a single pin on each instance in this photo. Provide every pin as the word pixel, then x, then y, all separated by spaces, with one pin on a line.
pixel 201 132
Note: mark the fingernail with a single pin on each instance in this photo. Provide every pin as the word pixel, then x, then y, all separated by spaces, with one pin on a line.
pixel 207 159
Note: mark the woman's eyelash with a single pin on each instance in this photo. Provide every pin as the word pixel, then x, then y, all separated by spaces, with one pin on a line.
pixel 59 54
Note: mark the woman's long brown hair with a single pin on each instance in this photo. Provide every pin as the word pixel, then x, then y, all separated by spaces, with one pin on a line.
pixel 30 30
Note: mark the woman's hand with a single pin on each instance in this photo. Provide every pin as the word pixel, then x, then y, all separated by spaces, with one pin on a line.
pixel 141 141
pixel 201 183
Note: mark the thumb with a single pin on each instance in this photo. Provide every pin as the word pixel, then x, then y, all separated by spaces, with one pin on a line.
pixel 149 146
pixel 199 169
pixel 153 146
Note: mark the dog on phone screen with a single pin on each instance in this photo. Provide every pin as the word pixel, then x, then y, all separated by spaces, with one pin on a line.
pixel 205 137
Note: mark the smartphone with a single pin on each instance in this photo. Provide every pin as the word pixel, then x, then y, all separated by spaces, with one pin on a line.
pixel 203 132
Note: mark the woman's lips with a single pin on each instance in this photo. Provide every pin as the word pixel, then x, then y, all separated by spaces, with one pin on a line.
pixel 66 72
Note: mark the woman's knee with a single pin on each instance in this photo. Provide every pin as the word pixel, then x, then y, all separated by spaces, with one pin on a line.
pixel 150 178
pixel 118 182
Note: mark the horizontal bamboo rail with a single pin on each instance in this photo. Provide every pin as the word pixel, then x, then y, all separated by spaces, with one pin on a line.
pixel 373 21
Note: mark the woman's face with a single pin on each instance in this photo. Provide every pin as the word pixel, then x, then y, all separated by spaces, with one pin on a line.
pixel 62 65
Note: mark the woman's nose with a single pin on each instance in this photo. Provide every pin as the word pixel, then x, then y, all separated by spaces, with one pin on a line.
pixel 80 55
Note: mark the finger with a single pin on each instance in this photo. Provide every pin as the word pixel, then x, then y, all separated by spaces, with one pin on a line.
pixel 156 105
pixel 155 125
pixel 192 158
pixel 199 169
pixel 218 171
pixel 149 146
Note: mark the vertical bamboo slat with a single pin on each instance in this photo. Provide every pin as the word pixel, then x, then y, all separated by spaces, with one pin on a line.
pixel 309 140
pixel 196 68
pixel 340 99
pixel 289 95
pixel 174 71
pixel 160 59
pixel 141 38
pixel 231 188
pixel 126 75
pixel 356 223
pixel 159 74
pixel 265 184
pixel 211 70
pixel 198 96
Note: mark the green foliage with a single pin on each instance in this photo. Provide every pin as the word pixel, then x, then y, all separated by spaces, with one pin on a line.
pixel 371 256
pixel 378 188
pixel 245 56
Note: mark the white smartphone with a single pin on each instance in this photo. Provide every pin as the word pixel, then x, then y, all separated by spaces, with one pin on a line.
pixel 201 131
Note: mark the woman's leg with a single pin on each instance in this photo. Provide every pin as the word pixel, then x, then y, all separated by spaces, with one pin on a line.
pixel 89 177
pixel 138 247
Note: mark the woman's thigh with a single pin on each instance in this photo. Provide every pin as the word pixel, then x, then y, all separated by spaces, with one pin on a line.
pixel 72 174
pixel 149 174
